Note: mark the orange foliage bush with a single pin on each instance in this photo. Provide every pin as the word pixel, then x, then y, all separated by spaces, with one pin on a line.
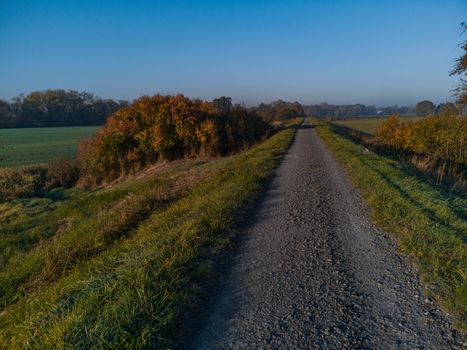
pixel 444 137
pixel 160 127
pixel 437 140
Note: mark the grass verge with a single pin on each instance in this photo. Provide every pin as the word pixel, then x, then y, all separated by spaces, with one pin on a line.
pixel 131 290
pixel 429 221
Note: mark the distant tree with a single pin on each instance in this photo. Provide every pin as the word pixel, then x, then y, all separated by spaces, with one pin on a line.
pixel 424 108
pixel 7 117
pixel 222 104
pixel 461 69
pixel 279 110
pixel 447 108
pixel 324 110
pixel 56 107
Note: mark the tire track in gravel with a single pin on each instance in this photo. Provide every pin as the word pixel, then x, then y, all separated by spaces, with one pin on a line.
pixel 313 272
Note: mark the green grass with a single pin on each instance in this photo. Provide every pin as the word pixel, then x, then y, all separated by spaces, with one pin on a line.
pixel 368 124
pixel 119 267
pixel 25 146
pixel 429 221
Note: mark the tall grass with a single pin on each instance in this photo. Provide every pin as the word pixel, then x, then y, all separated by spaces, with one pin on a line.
pixel 429 221
pixel 36 180
pixel 437 143
pixel 133 293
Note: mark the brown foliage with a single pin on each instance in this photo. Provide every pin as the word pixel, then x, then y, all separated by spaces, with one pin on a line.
pixel 62 173
pixel 156 128
pixel 437 143
pixel 36 180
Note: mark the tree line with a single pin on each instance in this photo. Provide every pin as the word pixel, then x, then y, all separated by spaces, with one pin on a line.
pixel 426 107
pixel 330 110
pixel 56 107
pixel 279 110
pixel 59 107
pixel 422 108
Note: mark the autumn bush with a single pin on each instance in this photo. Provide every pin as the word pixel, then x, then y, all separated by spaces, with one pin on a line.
pixel 62 173
pixel 36 180
pixel 157 128
pixel 22 182
pixel 437 143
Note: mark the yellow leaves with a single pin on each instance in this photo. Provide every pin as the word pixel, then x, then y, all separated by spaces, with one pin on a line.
pixel 440 136
pixel 207 133
pixel 168 127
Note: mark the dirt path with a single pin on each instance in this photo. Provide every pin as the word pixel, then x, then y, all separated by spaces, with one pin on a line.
pixel 313 272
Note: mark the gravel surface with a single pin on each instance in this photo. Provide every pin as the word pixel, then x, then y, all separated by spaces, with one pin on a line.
pixel 313 272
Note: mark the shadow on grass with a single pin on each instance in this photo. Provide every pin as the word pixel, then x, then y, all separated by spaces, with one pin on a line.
pixel 445 192
pixel 417 204
pixel 446 187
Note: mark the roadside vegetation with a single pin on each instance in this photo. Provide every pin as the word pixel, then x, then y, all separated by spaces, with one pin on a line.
pixel 429 218
pixel 153 129
pixel 158 128
pixel 119 265
pixel 435 145
pixel 37 180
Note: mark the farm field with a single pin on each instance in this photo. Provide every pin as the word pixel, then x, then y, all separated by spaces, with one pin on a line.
pixel 24 146
pixel 369 124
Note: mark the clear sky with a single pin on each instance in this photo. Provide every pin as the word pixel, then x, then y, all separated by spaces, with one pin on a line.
pixel 374 52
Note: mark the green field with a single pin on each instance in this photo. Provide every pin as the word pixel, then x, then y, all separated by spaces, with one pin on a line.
pixel 368 124
pixel 25 146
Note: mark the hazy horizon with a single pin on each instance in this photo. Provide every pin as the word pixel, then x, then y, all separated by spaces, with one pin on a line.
pixel 384 53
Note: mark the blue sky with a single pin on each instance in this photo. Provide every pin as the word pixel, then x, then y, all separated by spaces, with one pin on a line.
pixel 374 52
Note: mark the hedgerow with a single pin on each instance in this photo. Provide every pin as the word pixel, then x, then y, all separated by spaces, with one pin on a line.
pixel 157 128
pixel 437 143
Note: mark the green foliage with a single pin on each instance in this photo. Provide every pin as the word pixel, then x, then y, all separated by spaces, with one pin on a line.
pixel 424 108
pixel 166 128
pixel 279 110
pixel 56 107
pixel 329 110
pixel 124 264
pixel 430 223
pixel 447 108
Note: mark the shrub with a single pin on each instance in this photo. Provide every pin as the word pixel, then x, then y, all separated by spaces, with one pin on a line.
pixel 22 182
pixel 36 180
pixel 439 143
pixel 62 173
pixel 160 128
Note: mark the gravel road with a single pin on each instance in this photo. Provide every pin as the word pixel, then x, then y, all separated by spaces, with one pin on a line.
pixel 312 271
